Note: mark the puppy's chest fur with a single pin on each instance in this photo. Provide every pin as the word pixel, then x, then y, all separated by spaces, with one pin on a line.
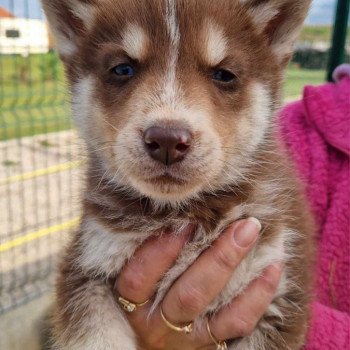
pixel 114 226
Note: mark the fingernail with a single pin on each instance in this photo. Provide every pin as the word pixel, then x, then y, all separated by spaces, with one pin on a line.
pixel 247 232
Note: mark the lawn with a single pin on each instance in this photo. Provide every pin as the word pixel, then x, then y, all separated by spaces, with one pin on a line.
pixel 318 33
pixel 33 98
pixel 296 79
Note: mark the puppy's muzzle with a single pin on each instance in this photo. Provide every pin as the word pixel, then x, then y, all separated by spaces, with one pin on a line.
pixel 167 145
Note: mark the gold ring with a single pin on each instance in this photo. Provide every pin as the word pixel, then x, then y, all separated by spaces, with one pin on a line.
pixel 187 329
pixel 220 345
pixel 130 306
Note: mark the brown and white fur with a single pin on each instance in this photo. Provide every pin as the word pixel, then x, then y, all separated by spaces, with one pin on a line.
pixel 235 167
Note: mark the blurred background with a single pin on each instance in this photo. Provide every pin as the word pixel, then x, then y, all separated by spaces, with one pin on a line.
pixel 41 159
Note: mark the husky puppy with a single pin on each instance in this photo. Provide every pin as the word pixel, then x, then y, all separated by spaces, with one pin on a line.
pixel 176 101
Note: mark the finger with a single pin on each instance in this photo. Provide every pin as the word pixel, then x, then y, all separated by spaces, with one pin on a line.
pixel 204 280
pixel 240 318
pixel 138 279
pixel 237 320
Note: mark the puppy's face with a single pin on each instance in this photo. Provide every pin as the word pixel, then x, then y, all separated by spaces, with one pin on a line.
pixel 171 96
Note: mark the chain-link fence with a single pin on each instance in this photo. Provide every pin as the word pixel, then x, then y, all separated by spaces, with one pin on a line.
pixel 40 155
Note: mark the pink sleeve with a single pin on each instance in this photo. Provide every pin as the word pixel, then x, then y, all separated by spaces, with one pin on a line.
pixel 330 329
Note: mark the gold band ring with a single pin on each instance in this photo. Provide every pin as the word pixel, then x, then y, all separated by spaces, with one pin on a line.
pixel 220 345
pixel 130 306
pixel 187 329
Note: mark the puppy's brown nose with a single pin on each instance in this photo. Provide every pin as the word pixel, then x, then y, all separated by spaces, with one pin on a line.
pixel 167 145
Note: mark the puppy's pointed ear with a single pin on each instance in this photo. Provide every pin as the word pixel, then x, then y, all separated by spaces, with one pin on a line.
pixel 69 21
pixel 280 21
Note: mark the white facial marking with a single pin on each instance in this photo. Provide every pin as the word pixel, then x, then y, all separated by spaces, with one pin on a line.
pixel 215 43
pixel 135 41
pixel 133 165
pixel 170 89
pixel 81 103
pixel 172 22
pixel 260 110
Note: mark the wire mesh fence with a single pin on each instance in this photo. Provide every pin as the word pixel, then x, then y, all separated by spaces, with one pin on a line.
pixel 38 152
pixel 40 167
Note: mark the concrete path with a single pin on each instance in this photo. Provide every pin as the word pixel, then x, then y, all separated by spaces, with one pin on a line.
pixel 40 182
pixel 20 328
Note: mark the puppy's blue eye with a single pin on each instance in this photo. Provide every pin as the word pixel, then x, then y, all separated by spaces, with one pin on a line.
pixel 224 76
pixel 124 70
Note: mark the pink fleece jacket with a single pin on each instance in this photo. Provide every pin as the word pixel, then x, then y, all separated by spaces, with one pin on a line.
pixel 317 133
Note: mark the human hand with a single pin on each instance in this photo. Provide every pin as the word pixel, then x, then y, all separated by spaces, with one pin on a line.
pixel 194 290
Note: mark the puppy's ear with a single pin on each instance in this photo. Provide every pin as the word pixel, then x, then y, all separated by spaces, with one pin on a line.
pixel 280 21
pixel 69 21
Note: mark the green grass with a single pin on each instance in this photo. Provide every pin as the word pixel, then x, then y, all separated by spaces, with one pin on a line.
pixel 318 33
pixel 33 99
pixel 297 78
pixel 30 121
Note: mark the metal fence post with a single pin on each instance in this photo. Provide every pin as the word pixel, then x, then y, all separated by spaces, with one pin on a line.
pixel 337 52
